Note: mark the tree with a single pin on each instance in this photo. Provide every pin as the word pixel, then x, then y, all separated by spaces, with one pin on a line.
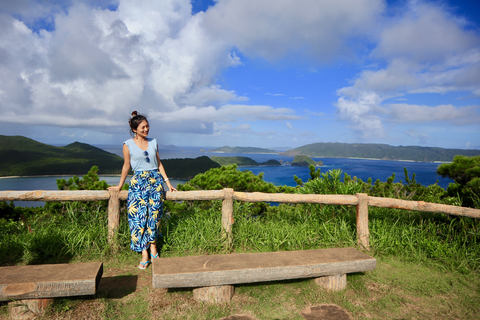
pixel 465 171
pixel 90 181
pixel 230 177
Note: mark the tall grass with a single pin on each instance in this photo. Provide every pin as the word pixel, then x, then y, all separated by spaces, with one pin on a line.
pixel 77 230
pixel 452 243
pixel 195 228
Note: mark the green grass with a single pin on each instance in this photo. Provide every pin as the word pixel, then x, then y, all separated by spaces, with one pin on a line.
pixel 427 264
pixel 64 232
pixel 396 289
pixel 451 243
pixel 80 233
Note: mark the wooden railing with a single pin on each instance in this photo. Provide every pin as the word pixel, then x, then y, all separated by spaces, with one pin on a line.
pixel 360 200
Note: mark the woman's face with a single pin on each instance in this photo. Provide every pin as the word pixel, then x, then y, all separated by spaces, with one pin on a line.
pixel 142 129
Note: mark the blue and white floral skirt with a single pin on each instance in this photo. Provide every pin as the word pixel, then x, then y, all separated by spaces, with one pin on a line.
pixel 145 208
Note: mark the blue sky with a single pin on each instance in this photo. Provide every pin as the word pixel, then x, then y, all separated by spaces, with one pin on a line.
pixel 259 73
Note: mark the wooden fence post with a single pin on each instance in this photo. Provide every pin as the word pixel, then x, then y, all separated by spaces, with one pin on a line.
pixel 227 215
pixel 362 221
pixel 113 215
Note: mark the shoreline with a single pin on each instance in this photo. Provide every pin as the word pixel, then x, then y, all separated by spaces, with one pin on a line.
pixel 260 165
pixel 377 159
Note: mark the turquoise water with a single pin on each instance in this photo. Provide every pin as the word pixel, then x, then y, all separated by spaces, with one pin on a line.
pixel 425 172
pixel 48 183
pixel 280 175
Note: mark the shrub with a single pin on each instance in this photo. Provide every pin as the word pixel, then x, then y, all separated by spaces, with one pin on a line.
pixel 465 171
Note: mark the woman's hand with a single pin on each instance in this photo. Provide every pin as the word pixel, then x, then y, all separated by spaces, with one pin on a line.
pixel 170 187
pixel 114 188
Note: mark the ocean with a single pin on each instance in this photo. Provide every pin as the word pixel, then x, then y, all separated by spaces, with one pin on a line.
pixel 425 172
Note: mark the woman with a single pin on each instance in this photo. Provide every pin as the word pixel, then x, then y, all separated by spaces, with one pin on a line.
pixel 145 201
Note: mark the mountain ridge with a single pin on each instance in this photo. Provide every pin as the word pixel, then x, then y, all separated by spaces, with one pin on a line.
pixel 227 149
pixel 22 156
pixel 379 151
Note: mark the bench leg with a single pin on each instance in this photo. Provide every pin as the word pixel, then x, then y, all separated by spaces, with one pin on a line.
pixel 336 282
pixel 214 294
pixel 28 308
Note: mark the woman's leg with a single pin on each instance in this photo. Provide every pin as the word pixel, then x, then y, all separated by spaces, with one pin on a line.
pixel 137 217
pixel 155 212
pixel 145 256
pixel 153 250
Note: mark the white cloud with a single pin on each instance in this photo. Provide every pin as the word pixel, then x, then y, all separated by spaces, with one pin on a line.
pixel 274 28
pixel 361 113
pixel 426 33
pixel 155 56
pixel 222 129
pixel 207 95
pixel 97 64
pixel 227 113
pixel 425 50
pixel 444 113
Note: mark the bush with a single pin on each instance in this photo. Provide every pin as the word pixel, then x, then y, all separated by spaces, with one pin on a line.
pixel 465 171
pixel 230 177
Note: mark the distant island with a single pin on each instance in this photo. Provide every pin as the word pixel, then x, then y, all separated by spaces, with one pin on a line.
pixel 379 151
pixel 21 156
pixel 301 160
pixel 187 168
pixel 362 151
pixel 243 161
pixel 227 149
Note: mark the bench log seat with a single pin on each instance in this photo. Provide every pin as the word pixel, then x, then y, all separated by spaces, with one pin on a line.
pixel 49 280
pixel 236 268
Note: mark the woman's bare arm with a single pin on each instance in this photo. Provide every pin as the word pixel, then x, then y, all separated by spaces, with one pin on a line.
pixel 164 174
pixel 125 168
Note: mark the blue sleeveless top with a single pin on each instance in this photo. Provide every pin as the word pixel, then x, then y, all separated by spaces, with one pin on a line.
pixel 138 157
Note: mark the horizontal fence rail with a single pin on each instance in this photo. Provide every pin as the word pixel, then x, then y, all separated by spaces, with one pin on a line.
pixel 296 198
pixel 360 200
pixel 55 195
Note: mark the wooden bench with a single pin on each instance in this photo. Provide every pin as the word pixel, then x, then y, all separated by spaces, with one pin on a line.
pixel 32 284
pixel 216 274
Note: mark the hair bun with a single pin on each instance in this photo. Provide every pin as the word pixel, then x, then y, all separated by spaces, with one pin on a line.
pixel 134 113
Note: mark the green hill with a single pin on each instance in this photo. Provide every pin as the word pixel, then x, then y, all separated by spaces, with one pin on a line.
pixel 301 160
pixel 243 161
pixel 379 151
pixel 227 149
pixel 21 156
pixel 187 168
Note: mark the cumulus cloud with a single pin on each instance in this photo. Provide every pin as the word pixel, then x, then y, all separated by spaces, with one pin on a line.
pixel 444 113
pixel 425 33
pixel 98 63
pixel 204 119
pixel 361 113
pixel 87 63
pixel 424 50
pixel 274 28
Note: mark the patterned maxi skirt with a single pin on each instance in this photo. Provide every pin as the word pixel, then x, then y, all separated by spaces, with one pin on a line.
pixel 145 208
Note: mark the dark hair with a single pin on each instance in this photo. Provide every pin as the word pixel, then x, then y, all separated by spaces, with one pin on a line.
pixel 135 121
